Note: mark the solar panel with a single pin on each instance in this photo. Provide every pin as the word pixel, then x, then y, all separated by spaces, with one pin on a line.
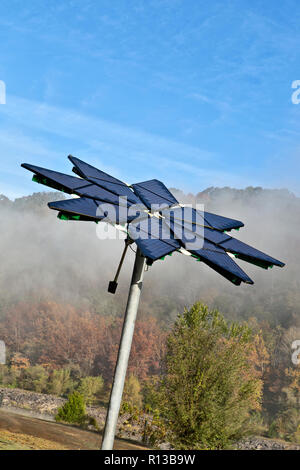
pixel 188 216
pixel 153 237
pixel 95 192
pixel 88 171
pixel 155 249
pixel 154 192
pixel 89 209
pixel 192 229
pixel 222 223
pixel 224 265
pixel 54 179
pixel 72 185
pixel 76 208
pixel 154 219
pixel 104 180
pixel 250 254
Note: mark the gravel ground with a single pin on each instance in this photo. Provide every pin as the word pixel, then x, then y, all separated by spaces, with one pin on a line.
pixel 261 443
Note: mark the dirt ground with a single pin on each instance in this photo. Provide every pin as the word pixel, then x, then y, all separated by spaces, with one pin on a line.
pixel 62 436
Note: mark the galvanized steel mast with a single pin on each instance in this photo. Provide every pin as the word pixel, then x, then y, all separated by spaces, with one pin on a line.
pixel 124 352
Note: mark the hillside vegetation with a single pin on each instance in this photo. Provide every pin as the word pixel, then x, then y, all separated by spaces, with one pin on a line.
pixel 62 328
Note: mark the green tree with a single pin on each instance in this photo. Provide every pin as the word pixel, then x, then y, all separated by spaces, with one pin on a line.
pixel 132 392
pixel 209 385
pixel 90 387
pixel 60 382
pixel 73 411
pixel 9 376
pixel 287 422
pixel 33 378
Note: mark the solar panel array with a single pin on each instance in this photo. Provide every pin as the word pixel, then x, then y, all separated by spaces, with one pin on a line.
pixel 153 219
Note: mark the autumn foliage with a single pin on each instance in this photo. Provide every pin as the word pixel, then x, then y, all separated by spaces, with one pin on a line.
pixel 57 335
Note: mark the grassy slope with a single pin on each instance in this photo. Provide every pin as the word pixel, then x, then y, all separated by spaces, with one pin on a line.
pixel 16 441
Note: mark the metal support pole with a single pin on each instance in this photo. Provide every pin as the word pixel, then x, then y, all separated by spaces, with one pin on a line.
pixel 124 352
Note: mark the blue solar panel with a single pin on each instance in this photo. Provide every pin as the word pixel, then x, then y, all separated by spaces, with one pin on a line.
pixel 90 171
pixel 95 192
pixel 184 229
pixel 193 240
pixel 120 190
pixel 154 192
pixel 73 185
pixel 92 209
pixel 215 236
pixel 240 248
pixel 189 239
pixel 104 180
pixel 154 228
pixel 189 217
pixel 79 206
pixel 222 223
pixel 102 197
pixel 210 246
pixel 155 249
pixel 60 181
pixel 224 265
pixel 153 237
pixel 186 216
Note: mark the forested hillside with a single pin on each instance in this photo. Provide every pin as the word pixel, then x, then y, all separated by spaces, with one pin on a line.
pixel 55 311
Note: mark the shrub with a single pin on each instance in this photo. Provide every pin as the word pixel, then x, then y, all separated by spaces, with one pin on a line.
pixel 132 392
pixel 73 411
pixel 60 382
pixel 209 387
pixel 90 388
pixel 9 377
pixel 33 378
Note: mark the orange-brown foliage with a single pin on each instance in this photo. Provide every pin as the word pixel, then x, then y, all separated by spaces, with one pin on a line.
pixel 58 335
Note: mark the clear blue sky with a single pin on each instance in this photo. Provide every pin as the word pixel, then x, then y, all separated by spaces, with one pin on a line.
pixel 197 93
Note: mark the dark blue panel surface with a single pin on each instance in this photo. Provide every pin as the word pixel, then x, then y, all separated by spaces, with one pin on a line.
pixel 190 239
pixel 90 171
pixel 95 192
pixel 224 265
pixel 154 228
pixel 191 218
pixel 215 236
pixel 187 231
pixel 120 190
pixel 210 253
pixel 154 192
pixel 193 240
pixel 63 182
pixel 104 180
pixel 155 249
pixel 187 216
pixel 192 229
pixel 93 209
pixel 238 247
pixel 222 223
pixel 73 185
pixel 153 237
pixel 79 206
